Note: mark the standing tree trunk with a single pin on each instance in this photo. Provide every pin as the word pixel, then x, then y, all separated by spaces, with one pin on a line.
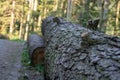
pixel 69 10
pixel 64 7
pixel 104 4
pixel 39 20
pixel 12 17
pixel 27 26
pixel 59 10
pixel 55 5
pixel 76 53
pixel 117 18
pixel 44 8
pixel 28 19
pixel 21 24
pixel 35 5
pixel 34 19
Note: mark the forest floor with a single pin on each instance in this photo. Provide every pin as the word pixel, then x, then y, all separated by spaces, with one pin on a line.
pixel 11 67
pixel 10 59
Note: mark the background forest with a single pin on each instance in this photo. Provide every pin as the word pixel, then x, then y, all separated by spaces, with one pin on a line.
pixel 19 18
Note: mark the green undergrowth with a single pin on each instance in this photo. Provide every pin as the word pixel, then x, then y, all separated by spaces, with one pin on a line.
pixel 25 58
pixel 17 40
pixel 40 68
pixel 27 62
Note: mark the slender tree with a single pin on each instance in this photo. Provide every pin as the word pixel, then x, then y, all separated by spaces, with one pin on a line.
pixel 55 5
pixel 28 19
pixel 103 4
pixel 12 17
pixel 117 18
pixel 69 10
pixel 34 17
pixel 63 10
pixel 21 31
pixel 35 5
pixel 44 8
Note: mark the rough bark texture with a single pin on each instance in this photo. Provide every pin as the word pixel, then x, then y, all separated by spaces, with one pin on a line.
pixel 76 53
pixel 36 49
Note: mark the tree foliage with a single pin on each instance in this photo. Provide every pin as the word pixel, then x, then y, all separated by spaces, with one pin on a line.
pixel 31 12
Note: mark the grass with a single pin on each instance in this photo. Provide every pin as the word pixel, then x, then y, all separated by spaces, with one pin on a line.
pixel 40 68
pixel 18 40
pixel 25 58
pixel 27 62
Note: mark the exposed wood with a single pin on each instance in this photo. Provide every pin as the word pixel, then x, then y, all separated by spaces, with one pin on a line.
pixel 36 49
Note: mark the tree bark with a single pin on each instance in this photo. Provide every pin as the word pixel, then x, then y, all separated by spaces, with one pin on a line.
pixel 64 7
pixel 12 17
pixel 35 5
pixel 117 18
pixel 55 5
pixel 28 19
pixel 76 53
pixel 44 8
pixel 36 48
pixel 39 20
pixel 69 10
pixel 21 23
pixel 27 25
pixel 104 4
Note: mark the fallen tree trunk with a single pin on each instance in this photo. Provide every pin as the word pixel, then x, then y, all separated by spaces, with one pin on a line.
pixel 76 53
pixel 36 48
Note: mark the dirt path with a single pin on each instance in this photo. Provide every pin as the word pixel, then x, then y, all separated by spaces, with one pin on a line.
pixel 10 57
